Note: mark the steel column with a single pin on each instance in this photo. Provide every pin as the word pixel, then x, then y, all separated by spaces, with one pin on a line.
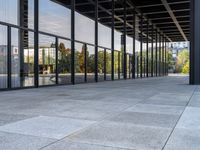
pixel 36 42
pixel 9 56
pixel 152 36
pixel 112 40
pixel 56 47
pixel 124 40
pixel 141 46
pixel 72 41
pixel 159 68
pixel 147 51
pixel 194 43
pixel 165 57
pixel 134 34
pixel 156 53
pixel 163 53
pixel 96 40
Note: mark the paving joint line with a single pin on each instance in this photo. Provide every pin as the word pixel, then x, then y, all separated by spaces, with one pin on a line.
pixel 179 118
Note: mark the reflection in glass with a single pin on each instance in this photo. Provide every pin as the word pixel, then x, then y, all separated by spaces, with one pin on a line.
pixel 104 36
pixel 64 61
pixel 117 42
pixel 47 60
pixel 3 57
pixel 15 58
pixel 121 64
pixel 22 58
pixel 90 59
pixel 80 62
pixel 27 72
pixel 127 66
pixel 101 64
pixel 84 28
pixel 54 18
pixel 9 11
pixel 116 64
pixel 108 64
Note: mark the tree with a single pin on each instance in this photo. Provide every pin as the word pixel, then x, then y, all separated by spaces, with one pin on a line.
pixel 182 60
pixel 186 68
pixel 64 59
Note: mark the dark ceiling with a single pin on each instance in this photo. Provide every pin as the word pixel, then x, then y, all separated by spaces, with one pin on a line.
pixel 170 17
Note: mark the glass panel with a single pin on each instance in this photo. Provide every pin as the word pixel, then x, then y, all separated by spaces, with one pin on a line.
pixel 117 40
pixel 127 66
pixel 15 58
pixel 116 65
pixel 104 36
pixel 84 29
pixel 129 45
pixel 22 60
pixel 9 11
pixel 26 13
pixel 101 64
pixel 90 63
pixel 64 61
pixel 27 73
pixel 80 62
pixel 3 57
pixel 58 23
pixel 108 64
pixel 104 30
pixel 47 60
pixel 30 13
pixel 121 65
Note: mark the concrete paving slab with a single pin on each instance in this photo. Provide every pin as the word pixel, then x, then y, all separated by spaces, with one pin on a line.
pixel 195 101
pixel 48 127
pixel 158 109
pixel 9 141
pixel 190 119
pixel 168 99
pixel 64 145
pixel 9 118
pixel 123 135
pixel 184 139
pixel 147 119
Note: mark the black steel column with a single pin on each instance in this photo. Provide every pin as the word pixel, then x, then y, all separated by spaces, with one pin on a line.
pixel 147 51
pixel 159 67
pixel 85 61
pixel 96 40
pixel 141 46
pixel 9 56
pixel 134 34
pixel 156 53
pixel 165 56
pixel 194 42
pixel 152 36
pixel 56 47
pixel 137 66
pixel 124 40
pixel 72 41
pixel 112 39
pixel 105 64
pixel 36 42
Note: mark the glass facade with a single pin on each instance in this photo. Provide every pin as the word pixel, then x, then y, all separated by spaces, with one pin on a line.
pixel 46 42
pixel 64 61
pixel 3 57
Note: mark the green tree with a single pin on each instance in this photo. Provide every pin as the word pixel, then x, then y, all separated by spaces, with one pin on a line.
pixel 186 68
pixel 64 59
pixel 182 59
